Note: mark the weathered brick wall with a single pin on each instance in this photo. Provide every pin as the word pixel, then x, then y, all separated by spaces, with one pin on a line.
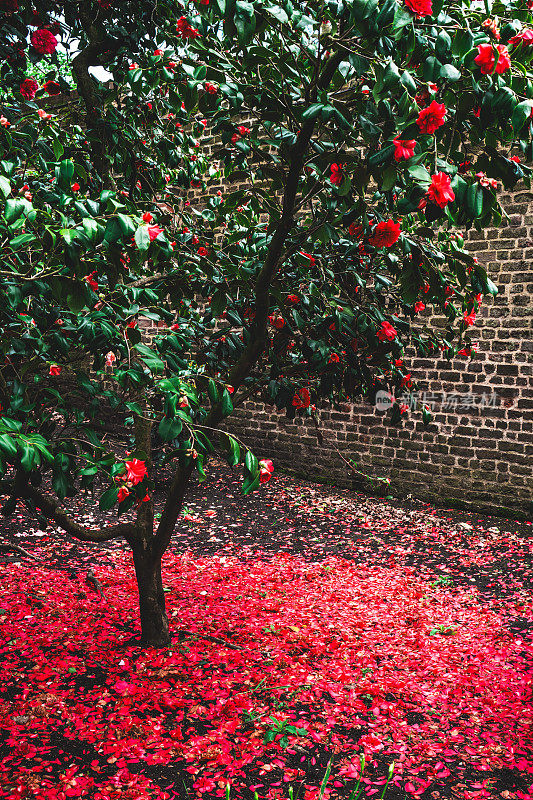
pixel 474 454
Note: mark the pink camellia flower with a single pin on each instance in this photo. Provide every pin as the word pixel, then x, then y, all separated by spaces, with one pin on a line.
pixel 4 122
pixel 44 42
pixel 42 114
pixel 386 333
pixel 154 231
pixel 136 470
pixel 54 370
pixel 28 88
pixel 110 359
pixel 525 38
pixel 266 468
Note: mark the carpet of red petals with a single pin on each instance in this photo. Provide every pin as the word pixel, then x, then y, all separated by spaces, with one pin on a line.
pixel 387 647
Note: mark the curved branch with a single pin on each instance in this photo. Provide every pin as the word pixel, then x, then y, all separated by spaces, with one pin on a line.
pixel 52 510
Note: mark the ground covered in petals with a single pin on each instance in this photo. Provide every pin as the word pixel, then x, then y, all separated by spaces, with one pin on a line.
pixel 312 627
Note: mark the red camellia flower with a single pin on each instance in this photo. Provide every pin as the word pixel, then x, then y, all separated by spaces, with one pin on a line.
pixel 440 192
pixel 337 174
pixel 243 130
pixel 28 88
pixel 293 299
pixel 147 217
pixel 44 42
pixel 419 306
pixel 75 187
pixel 524 38
pixel 469 318
pixel 386 333
pixel 403 149
pixel 52 87
pixel 422 8
pixel 154 231
pixel 486 59
pixel 91 281
pixel 185 30
pixel 333 358
pixel 136 470
pixel 123 492
pixel 385 234
pixel 302 398
pixel 355 229
pixel 278 323
pixel 432 117
pixel 266 468
pixel 202 251
pixel 54 370
pixel 211 88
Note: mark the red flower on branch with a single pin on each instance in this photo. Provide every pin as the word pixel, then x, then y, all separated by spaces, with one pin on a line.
pixel 266 468
pixel 432 117
pixel 486 59
pixel 421 8
pixel 51 87
pixel 337 175
pixel 136 471
pixel 28 88
pixel 54 370
pixel 44 42
pixel 386 333
pixel 302 398
pixel 154 231
pixel 524 38
pixel 185 30
pixel 385 234
pixel 404 149
pixel 440 191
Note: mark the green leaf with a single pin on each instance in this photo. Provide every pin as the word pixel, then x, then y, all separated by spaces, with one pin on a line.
pixel 474 200
pixel 30 457
pixel 450 73
pixel 170 428
pixel 142 238
pixel 19 241
pixel 109 498
pixel 521 114
pixel 234 451
pixel 5 186
pixel 227 405
pixel 127 225
pixel 8 446
pixel 66 170
pixel 402 17
pixel 14 209
pixel 251 463
pixel 250 484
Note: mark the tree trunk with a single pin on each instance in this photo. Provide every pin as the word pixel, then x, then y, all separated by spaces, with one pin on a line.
pixel 154 621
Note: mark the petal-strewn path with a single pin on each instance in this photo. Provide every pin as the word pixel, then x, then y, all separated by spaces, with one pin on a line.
pixel 358 627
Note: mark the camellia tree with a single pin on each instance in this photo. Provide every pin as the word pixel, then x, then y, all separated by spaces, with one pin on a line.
pixel 277 186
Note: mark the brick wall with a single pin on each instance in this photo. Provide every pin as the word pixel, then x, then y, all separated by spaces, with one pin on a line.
pixel 479 453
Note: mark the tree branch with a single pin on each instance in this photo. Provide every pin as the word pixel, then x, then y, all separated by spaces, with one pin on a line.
pixel 52 510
